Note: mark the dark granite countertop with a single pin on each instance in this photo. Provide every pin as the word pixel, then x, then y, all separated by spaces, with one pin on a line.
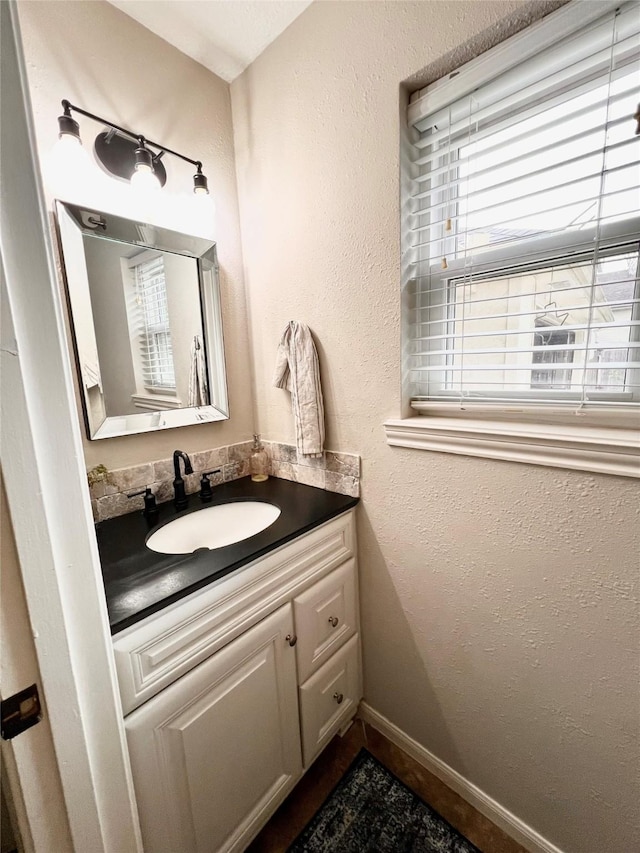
pixel 139 582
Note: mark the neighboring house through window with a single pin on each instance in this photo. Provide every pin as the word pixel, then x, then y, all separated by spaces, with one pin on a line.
pixel 552 346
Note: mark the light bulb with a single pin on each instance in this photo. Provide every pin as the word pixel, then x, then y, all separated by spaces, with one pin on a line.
pixel 204 204
pixel 68 169
pixel 144 181
pixel 145 193
pixel 202 214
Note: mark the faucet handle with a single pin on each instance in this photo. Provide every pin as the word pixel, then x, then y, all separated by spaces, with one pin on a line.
pixel 146 492
pixel 205 486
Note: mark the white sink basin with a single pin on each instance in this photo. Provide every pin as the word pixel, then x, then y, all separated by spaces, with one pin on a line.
pixel 213 527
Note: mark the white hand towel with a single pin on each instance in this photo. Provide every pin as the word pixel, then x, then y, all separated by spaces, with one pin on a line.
pixel 298 370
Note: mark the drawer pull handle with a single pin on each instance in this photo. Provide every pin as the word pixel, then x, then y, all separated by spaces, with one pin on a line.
pixel 333 621
pixel 338 697
pixel 291 639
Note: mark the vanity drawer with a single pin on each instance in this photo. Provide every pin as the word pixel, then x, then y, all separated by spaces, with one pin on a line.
pixel 329 698
pixel 154 653
pixel 325 617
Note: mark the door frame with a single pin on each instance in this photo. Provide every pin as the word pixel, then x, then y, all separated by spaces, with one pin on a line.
pixel 48 499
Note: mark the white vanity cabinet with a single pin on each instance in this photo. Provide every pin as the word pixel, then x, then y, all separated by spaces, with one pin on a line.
pixel 231 693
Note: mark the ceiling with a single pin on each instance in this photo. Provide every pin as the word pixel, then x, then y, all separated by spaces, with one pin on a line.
pixel 223 35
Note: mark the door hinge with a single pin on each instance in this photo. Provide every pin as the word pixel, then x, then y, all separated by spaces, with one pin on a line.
pixel 19 712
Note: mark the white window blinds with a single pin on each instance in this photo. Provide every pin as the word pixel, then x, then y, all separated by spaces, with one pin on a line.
pixel 523 229
pixel 153 332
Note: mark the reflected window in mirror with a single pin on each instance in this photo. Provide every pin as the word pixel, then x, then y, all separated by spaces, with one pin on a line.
pixel 148 317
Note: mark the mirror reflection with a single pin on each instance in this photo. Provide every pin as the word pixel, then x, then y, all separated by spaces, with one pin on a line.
pixel 147 326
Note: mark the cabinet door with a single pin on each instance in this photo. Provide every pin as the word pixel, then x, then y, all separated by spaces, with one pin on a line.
pixel 326 615
pixel 215 753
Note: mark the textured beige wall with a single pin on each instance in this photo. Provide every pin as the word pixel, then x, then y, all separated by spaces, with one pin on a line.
pixel 97 57
pixel 500 628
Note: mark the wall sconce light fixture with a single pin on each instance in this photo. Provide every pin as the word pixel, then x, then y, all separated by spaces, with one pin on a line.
pixel 124 154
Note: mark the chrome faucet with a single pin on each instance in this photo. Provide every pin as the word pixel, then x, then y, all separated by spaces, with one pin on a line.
pixel 179 496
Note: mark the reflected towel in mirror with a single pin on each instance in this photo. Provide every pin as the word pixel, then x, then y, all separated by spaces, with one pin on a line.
pixel 91 374
pixel 198 391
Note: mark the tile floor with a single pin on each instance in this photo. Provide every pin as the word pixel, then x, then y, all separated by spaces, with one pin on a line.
pixel 317 783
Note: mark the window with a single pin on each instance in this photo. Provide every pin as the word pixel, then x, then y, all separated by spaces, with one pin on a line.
pixel 551 346
pixel 522 237
pixel 153 332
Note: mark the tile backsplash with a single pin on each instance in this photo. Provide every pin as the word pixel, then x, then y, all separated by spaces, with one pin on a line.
pixel 336 472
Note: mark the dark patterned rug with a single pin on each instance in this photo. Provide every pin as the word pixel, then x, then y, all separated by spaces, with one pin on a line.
pixel 371 811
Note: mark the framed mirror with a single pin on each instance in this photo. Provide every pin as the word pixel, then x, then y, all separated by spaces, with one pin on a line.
pixel 146 323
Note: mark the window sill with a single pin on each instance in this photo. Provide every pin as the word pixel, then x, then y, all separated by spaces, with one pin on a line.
pixel 156 402
pixel 584 447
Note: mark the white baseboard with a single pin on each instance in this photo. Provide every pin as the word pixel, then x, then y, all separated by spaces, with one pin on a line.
pixel 509 823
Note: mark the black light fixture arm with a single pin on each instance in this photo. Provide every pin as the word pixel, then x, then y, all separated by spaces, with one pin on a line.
pixel 68 107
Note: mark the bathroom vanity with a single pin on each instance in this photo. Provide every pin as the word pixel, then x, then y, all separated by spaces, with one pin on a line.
pixel 234 682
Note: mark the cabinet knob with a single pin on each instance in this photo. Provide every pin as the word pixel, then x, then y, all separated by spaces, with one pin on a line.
pixel 291 639
pixel 333 621
pixel 338 697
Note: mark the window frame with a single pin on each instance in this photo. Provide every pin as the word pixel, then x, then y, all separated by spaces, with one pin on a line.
pixel 605 440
